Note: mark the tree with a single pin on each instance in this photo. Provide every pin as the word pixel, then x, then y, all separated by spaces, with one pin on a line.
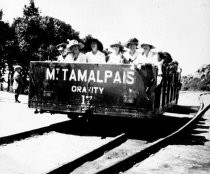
pixel 35 37
pixel 28 32
pixel 1 14
pixel 31 10
pixel 54 32
pixel 6 40
pixel 38 35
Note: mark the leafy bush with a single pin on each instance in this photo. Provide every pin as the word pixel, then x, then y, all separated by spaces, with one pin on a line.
pixel 199 81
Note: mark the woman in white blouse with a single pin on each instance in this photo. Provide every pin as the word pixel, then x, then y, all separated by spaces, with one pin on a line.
pixel 96 55
pixel 117 56
pixel 148 56
pixel 132 55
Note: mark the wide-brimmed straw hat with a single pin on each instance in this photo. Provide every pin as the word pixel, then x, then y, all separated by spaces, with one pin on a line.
pixel 132 41
pixel 118 45
pixel 145 44
pixel 61 47
pixel 72 43
pixel 17 67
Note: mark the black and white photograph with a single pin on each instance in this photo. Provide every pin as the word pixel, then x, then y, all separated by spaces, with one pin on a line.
pixel 104 86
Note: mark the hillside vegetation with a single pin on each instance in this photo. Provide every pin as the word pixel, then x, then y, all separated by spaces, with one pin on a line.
pixel 198 81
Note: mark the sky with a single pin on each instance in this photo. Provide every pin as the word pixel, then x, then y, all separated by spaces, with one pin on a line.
pixel 180 27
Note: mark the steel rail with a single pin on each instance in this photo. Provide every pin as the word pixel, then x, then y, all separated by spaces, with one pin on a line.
pixel 26 134
pixel 94 154
pixel 153 147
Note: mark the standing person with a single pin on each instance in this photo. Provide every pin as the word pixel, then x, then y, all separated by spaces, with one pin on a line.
pixel 75 56
pixel 131 56
pixel 117 56
pixel 96 55
pixel 63 52
pixel 17 82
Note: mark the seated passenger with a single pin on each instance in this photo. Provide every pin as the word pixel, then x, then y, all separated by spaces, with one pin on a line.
pixel 131 56
pixel 148 56
pixel 166 57
pixel 75 56
pixel 117 56
pixel 63 52
pixel 96 55
pixel 179 70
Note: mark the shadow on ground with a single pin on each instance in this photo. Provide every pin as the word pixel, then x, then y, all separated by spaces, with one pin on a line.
pixel 194 135
pixel 148 130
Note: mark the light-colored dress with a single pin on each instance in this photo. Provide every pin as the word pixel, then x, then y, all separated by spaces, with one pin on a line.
pixel 150 58
pixel 133 59
pixel 80 59
pixel 115 58
pixel 17 81
pixel 61 58
pixel 99 57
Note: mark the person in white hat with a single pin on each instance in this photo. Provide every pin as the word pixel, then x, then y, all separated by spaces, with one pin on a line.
pixel 148 56
pixel 75 56
pixel 96 55
pixel 117 56
pixel 17 82
pixel 131 56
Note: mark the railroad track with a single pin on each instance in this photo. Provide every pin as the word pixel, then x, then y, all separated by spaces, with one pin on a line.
pixel 153 145
pixel 27 134
pixel 128 162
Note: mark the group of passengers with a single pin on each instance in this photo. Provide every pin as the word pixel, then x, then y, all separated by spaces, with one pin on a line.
pixel 71 53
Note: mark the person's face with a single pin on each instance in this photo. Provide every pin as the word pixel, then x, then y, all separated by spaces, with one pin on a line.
pixel 18 70
pixel 94 46
pixel 75 49
pixel 61 51
pixel 132 46
pixel 117 49
pixel 159 59
pixel 146 48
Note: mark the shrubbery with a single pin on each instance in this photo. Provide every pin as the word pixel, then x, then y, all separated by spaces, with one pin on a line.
pixel 199 81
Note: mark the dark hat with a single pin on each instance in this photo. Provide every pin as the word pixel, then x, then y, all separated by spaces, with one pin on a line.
pixel 167 57
pixel 132 41
pixel 145 44
pixel 118 45
pixel 94 40
pixel 176 62
pixel 61 46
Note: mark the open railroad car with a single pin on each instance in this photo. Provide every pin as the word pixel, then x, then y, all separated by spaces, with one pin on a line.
pixel 101 89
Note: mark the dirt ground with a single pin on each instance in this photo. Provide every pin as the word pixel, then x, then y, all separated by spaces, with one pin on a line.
pixel 39 154
pixel 190 157
pixel 182 158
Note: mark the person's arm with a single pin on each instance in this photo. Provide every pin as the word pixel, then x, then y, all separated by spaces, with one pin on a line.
pixel 103 58
pixel 87 57
pixel 124 60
